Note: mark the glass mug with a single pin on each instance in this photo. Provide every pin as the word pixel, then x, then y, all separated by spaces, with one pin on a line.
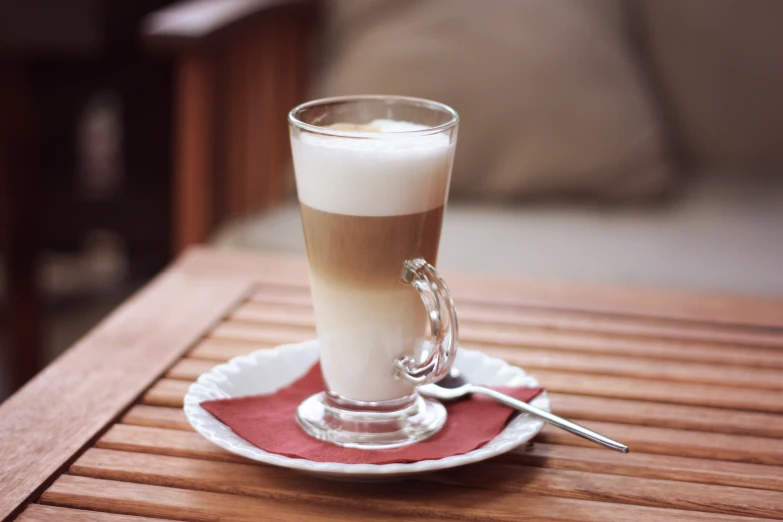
pixel 372 176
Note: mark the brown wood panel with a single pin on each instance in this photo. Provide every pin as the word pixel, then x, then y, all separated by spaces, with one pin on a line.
pixel 191 505
pixel 661 415
pixel 617 324
pixel 712 395
pixel 194 154
pixel 166 392
pixel 647 439
pixel 686 372
pixel 651 390
pixel 292 305
pixel 597 460
pixel 669 351
pixel 100 376
pixel 592 408
pixel 219 350
pixel 656 303
pixel 189 369
pixel 695 418
pixel 683 443
pixel 266 482
pixel 169 392
pixel 257 333
pixel 480 336
pixel 626 301
pixel 265 131
pixel 233 139
pixel 620 489
pixel 157 416
pixel 681 372
pixel 296 295
pixel 147 439
pixel 608 408
pixel 162 441
pixel 39 513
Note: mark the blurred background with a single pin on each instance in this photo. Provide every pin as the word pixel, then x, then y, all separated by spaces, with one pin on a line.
pixel 620 141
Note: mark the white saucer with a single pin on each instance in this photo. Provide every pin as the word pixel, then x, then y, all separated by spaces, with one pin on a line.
pixel 265 371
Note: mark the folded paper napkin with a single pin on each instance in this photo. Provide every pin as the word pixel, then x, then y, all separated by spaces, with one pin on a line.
pixel 268 422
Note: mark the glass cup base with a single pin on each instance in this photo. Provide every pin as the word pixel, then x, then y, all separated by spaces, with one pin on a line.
pixel 370 425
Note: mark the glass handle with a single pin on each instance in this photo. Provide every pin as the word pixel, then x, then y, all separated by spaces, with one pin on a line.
pixel 443 325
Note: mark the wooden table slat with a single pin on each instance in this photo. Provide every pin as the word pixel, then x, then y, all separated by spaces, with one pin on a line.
pixel 623 411
pixel 711 395
pixel 39 513
pixel 192 505
pixel 620 489
pixel 615 325
pixel 618 366
pixel 678 416
pixel 156 416
pixel 163 441
pixel 170 442
pixel 742 448
pixel 688 372
pixel 571 405
pixel 256 483
pixel 221 350
pixel 633 301
pixel 102 375
pixel 596 460
pixel 668 350
pixel 728 355
pixel 166 392
pixel 283 305
pixel 694 394
pixel 666 441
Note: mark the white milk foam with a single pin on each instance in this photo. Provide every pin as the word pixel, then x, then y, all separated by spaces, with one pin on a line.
pixel 388 176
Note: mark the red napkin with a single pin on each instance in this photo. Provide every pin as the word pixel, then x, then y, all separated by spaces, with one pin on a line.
pixel 268 422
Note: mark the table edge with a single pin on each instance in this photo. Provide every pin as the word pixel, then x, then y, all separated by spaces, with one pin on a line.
pixel 158 324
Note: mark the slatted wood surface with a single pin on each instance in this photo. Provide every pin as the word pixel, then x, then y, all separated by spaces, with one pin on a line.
pixel 698 400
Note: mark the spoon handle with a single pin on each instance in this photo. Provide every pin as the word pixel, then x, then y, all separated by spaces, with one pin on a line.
pixel 567 425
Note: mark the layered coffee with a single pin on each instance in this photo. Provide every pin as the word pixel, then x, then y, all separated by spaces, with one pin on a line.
pixel 367 206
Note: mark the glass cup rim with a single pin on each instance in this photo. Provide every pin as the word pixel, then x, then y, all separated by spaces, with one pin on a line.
pixel 294 121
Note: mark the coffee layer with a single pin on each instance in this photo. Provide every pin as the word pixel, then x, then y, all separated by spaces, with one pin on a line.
pixel 368 250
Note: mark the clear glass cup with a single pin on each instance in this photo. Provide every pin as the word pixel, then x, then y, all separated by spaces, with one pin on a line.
pixel 372 175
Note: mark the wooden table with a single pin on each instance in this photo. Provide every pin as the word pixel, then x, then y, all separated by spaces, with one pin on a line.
pixel 693 383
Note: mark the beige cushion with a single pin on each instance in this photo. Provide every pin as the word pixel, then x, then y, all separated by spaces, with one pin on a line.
pixel 550 97
pixel 719 64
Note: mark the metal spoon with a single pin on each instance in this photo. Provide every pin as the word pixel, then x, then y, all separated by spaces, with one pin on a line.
pixel 454 386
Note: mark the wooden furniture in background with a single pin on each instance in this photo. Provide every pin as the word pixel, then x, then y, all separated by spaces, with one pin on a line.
pixel 240 67
pixel 54 56
pixel 19 226
pixel 692 382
